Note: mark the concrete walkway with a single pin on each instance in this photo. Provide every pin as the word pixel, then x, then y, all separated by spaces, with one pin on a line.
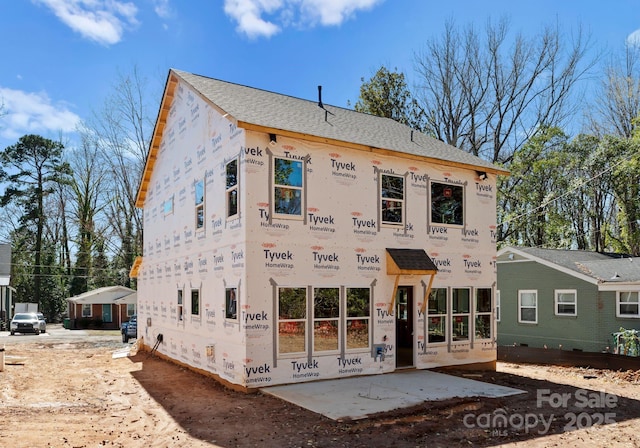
pixel 356 398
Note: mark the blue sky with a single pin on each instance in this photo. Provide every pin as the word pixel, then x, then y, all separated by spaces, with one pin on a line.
pixel 60 58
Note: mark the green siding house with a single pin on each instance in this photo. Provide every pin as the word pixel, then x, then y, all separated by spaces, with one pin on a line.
pixel 568 299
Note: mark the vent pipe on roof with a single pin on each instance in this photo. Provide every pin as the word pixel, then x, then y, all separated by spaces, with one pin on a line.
pixel 411 134
pixel 320 97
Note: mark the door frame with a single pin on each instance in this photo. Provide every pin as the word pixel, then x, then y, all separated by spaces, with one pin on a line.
pixel 404 313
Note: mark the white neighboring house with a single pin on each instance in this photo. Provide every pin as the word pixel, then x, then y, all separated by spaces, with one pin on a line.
pixel 288 240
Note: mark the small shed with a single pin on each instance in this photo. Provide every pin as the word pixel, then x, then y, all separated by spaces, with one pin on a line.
pixel 106 307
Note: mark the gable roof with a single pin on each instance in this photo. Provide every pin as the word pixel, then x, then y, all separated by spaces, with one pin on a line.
pixel 105 295
pixel 606 270
pixel 264 111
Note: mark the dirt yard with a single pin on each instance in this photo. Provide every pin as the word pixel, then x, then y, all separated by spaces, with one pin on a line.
pixel 75 394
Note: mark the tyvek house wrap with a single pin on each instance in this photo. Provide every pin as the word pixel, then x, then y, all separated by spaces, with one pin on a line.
pixel 337 242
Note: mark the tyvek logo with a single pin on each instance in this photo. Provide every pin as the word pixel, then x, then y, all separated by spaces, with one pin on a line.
pixel 327 263
pixel 472 266
pixel 367 264
pixel 364 229
pixel 470 238
pixel 277 259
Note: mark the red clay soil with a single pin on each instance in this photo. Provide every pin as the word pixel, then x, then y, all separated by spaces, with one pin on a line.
pixel 78 395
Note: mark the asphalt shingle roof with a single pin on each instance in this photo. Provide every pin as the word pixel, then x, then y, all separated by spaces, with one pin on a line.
pixel 600 266
pixel 412 259
pixel 287 113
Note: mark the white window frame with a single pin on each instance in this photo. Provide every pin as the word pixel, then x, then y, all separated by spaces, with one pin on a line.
pixel 231 303
pixel 131 309
pixel 498 309
pixel 443 316
pixel 350 319
pixel 199 297
pixel 180 306
pixel 401 201
pixel 462 314
pixel 167 206
pixel 556 301
pixel 483 313
pixel 335 321
pixel 296 321
pixel 520 307
pixel 232 189
pixel 301 189
pixel 199 205
pixel 430 203
pixel 90 310
pixel 620 302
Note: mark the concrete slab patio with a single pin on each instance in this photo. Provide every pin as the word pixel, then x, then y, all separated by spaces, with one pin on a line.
pixel 358 397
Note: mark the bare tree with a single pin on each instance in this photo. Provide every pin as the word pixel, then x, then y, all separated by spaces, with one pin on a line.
pixel 123 128
pixel 89 203
pixel 491 95
pixel 618 103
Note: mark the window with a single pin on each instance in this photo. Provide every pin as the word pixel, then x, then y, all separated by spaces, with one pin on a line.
pixel 460 314
pixel 231 303
pixel 292 320
pixel 358 317
pixel 168 206
pixel 566 302
pixel 326 313
pixel 86 310
pixel 447 204
pixel 392 199
pixel 483 313
pixel 628 304
pixel 497 306
pixel 195 302
pixel 437 315
pixel 528 306
pixel 232 188
pixel 288 187
pixel 180 304
pixel 199 202
pixel 131 309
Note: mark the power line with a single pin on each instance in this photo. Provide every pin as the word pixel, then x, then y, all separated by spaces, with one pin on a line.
pixel 566 193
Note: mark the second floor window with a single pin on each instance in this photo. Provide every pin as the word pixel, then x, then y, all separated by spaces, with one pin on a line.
pixel 288 187
pixel 232 188
pixel 447 204
pixel 392 199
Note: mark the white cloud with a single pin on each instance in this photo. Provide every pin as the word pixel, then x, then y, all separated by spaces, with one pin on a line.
pixel 633 39
pixel 162 8
pixel 33 113
pixel 102 21
pixel 334 12
pixel 249 14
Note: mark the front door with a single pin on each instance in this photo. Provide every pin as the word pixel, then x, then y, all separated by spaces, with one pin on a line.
pixel 404 326
pixel 106 314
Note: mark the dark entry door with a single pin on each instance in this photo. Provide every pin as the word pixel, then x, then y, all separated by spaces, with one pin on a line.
pixel 404 326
